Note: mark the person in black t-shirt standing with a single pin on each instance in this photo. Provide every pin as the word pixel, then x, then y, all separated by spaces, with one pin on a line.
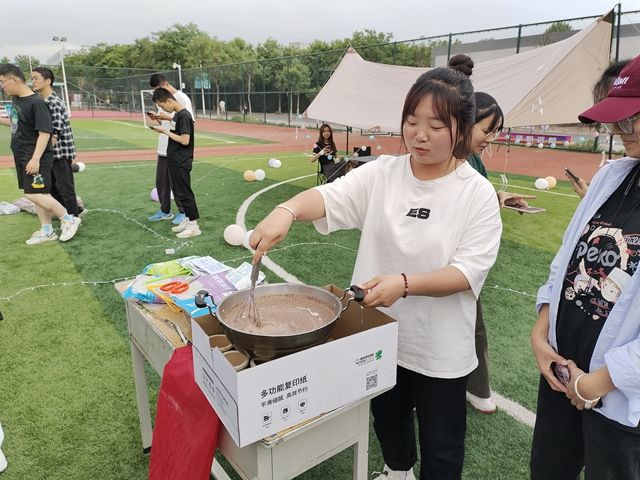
pixel 180 159
pixel 33 155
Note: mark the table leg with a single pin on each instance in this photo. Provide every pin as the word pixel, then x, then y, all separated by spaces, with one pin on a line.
pixel 142 396
pixel 218 472
pixel 361 448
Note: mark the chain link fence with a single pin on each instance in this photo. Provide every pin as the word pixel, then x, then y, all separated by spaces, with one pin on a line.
pixel 278 90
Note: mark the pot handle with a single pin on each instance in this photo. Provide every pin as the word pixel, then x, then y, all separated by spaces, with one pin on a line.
pixel 357 294
pixel 201 300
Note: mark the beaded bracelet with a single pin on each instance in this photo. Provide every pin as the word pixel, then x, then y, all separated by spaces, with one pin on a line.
pixel 282 205
pixel 587 403
pixel 406 285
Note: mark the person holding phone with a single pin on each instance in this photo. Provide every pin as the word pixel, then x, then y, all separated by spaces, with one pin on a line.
pixel 163 179
pixel 325 151
pixel 589 317
pixel 180 141
pixel 430 233
pixel 599 91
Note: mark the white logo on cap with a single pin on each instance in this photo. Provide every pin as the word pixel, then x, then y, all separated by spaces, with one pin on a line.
pixel 621 81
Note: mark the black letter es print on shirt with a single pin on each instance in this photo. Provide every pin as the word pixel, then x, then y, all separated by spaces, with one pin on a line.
pixel 421 213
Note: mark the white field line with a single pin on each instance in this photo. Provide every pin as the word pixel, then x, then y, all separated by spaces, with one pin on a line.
pixel 535 190
pixel 511 408
pixel 514 409
pixel 200 134
pixel 147 164
pixel 240 218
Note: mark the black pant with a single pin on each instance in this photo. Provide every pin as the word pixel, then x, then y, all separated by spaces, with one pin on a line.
pixel 163 186
pixel 479 379
pixel 565 440
pixel 180 175
pixel 442 423
pixel 332 170
pixel 62 187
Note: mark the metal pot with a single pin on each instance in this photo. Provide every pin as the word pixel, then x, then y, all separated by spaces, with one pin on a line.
pixel 268 347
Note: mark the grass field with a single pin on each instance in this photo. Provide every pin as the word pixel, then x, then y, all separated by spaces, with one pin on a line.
pixel 67 400
pixel 95 135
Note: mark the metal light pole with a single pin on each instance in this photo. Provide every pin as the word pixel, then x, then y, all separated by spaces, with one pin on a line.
pixel 179 67
pixel 202 89
pixel 62 41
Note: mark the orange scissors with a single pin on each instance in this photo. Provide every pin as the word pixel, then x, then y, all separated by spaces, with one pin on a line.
pixel 177 286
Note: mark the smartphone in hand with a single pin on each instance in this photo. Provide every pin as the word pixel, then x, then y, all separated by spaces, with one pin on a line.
pixel 562 373
pixel 527 209
pixel 572 176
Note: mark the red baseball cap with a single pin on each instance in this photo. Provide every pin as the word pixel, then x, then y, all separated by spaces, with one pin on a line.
pixel 622 101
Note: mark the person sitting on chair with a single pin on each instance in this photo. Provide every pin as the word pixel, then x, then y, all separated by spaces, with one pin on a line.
pixel 325 151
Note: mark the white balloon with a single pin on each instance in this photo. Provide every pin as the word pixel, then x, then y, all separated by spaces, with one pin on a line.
pixel 233 235
pixel 260 175
pixel 81 166
pixel 542 184
pixel 541 145
pixel 364 147
pixel 379 147
pixel 372 137
pixel 277 163
pixel 245 240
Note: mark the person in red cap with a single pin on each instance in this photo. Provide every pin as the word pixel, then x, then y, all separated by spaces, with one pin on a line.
pixel 587 337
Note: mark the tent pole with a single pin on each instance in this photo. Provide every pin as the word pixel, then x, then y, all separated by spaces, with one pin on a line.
pixel 348 128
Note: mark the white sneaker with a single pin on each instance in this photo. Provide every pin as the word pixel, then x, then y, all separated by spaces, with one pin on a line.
pixel 388 474
pixel 189 231
pixel 181 226
pixel 41 237
pixel 69 229
pixel 482 405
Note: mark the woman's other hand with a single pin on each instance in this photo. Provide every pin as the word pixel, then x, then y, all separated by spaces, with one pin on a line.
pixel 383 290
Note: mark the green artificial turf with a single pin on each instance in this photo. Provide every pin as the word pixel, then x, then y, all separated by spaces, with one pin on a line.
pixel 98 135
pixel 67 401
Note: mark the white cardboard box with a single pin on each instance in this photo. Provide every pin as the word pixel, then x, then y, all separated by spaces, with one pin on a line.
pixel 263 400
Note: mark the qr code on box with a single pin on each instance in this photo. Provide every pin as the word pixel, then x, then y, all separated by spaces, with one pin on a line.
pixel 372 381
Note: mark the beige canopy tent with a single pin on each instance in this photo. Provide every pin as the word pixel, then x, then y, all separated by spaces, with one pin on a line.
pixel 547 85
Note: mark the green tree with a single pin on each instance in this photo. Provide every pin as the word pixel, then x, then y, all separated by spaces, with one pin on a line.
pixel 243 53
pixel 373 46
pixel 270 55
pixel 205 50
pixel 554 32
pixel 172 45
pixel 26 63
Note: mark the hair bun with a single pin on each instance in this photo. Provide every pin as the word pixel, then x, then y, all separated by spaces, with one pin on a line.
pixel 462 63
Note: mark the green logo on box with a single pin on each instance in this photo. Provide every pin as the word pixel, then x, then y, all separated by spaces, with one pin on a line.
pixel 378 354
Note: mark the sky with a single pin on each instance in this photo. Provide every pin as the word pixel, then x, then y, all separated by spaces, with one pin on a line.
pixel 28 28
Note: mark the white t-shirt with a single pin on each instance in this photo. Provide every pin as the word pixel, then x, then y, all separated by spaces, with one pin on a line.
pixel 163 140
pixel 414 226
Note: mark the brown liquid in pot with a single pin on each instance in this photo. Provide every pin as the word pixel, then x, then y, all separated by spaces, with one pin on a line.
pixel 281 315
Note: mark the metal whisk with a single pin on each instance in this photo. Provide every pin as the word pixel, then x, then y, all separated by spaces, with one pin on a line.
pixel 250 307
